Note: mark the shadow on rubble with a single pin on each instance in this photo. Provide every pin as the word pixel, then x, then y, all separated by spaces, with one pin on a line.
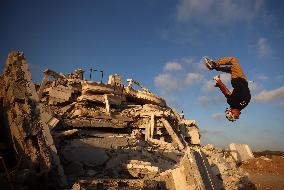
pixel 95 158
pixel 17 169
pixel 245 184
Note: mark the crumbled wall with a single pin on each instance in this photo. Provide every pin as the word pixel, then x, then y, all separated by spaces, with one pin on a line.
pixel 31 138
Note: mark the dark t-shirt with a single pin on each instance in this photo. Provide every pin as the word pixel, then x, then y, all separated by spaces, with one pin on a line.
pixel 240 96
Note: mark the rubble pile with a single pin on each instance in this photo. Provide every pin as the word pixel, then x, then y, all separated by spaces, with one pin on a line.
pixel 225 167
pixel 81 134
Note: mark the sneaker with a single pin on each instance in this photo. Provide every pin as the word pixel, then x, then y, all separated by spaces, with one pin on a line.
pixel 209 63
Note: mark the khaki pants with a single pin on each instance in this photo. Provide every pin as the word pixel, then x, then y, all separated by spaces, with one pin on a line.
pixel 230 65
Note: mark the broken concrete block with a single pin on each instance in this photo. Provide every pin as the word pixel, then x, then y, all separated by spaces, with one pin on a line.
pixel 179 179
pixel 209 179
pixel 82 151
pixel 152 168
pixel 152 126
pixel 194 135
pixel 60 94
pixel 115 80
pixel 91 97
pixel 188 122
pixel 67 108
pixel 70 132
pixel 115 99
pixel 49 120
pixel 191 173
pixel 241 152
pixel 172 133
pixel 107 104
pixel 97 88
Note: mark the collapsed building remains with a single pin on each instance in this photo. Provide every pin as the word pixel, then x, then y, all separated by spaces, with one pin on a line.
pixel 73 133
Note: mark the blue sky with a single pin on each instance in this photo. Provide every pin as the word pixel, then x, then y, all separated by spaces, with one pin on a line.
pixel 161 43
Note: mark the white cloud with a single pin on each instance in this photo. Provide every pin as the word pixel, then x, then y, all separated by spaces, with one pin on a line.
pixel 262 77
pixel 263 47
pixel 192 78
pixel 217 116
pixel 203 100
pixel 218 11
pixel 188 61
pixel 280 77
pixel 172 66
pixel 211 99
pixel 254 87
pixel 208 86
pixel 166 82
pixel 267 96
pixel 226 78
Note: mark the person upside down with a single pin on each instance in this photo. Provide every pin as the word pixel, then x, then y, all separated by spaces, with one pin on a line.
pixel 239 98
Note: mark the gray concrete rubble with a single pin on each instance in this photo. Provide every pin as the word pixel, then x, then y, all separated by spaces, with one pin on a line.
pixel 73 133
pixel 241 152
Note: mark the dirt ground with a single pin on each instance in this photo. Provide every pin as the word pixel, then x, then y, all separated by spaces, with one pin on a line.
pixel 266 172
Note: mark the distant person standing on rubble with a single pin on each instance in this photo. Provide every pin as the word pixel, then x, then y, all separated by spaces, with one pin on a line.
pixel 240 97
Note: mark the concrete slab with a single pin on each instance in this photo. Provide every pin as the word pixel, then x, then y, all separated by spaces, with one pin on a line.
pixel 172 133
pixel 241 152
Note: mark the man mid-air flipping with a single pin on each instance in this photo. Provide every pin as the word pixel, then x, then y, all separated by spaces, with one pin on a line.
pixel 240 97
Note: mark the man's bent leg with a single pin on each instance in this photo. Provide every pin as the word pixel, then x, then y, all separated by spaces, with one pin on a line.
pixel 222 87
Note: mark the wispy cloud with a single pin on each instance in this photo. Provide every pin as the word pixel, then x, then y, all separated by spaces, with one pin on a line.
pixel 268 96
pixel 210 100
pixel 203 100
pixel 172 66
pixel 226 78
pixel 262 77
pixel 255 87
pixel 209 84
pixel 192 78
pixel 217 116
pixel 218 11
pixel 263 47
pixel 166 82
pixel 188 60
pixel 214 133
pixel 193 19
pixel 280 77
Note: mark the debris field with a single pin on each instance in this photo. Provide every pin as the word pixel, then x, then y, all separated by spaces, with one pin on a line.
pixel 72 133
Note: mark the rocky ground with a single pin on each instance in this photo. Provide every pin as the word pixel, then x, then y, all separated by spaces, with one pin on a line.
pixel 265 171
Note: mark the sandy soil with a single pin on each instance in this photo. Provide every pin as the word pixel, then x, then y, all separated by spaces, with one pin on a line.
pixel 266 172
